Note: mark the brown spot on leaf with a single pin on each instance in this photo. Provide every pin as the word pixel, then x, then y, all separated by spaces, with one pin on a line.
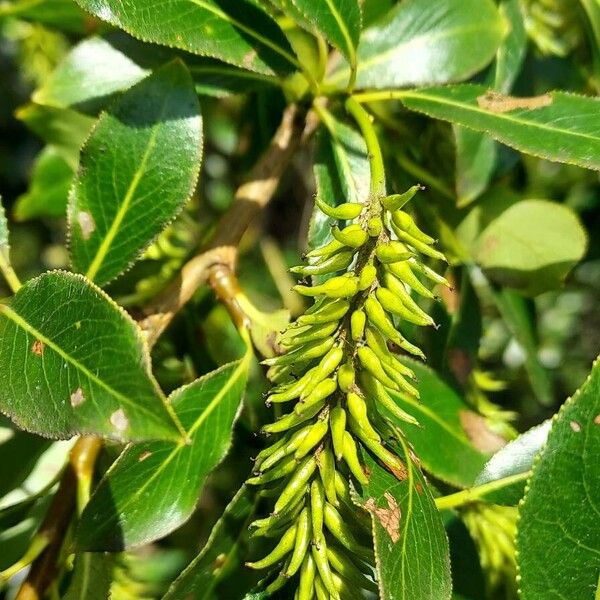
pixel 38 348
pixel 144 455
pixel 597 420
pixel 575 426
pixel 87 224
pixel 419 488
pixel 77 398
pixel 499 103
pixel 398 471
pixel 119 420
pixel 388 517
pixel 249 58
pixel 478 432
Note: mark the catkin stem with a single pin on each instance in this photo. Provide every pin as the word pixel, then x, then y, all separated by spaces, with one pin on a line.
pixel 9 274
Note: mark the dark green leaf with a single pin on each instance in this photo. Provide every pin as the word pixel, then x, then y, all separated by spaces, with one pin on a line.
pixel 514 309
pixel 513 49
pixel 558 538
pixel 62 14
pixel 224 552
pixel 338 20
pixel 531 246
pixel 92 577
pixel 420 42
pixel 69 346
pixel 505 474
pixel 138 168
pixel 48 189
pixel 411 546
pixel 231 30
pixel 342 174
pixel 556 126
pixel 64 129
pixel 440 440
pixel 153 488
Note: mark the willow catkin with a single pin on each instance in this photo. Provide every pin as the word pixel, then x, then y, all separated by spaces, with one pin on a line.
pixel 336 372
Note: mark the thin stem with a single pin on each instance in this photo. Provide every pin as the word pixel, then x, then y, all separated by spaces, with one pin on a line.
pixel 382 95
pixel 477 493
pixel 9 274
pixel 363 120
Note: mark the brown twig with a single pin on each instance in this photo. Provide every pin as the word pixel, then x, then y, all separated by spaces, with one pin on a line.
pixel 44 568
pixel 250 198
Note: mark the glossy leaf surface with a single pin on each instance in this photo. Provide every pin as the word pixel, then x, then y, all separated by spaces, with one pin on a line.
pixel 421 42
pixel 153 488
pixel 72 362
pixel 142 159
pixel 559 523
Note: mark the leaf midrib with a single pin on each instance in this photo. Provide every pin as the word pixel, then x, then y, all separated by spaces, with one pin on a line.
pixel 23 324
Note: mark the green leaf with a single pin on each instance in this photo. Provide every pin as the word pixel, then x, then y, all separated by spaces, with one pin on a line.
pixel 531 246
pixel 513 49
pixel 515 310
pixel 48 191
pixel 224 553
pixel 84 360
pixel 338 20
pixel 440 439
pixel 138 168
pixel 556 126
pixel 420 42
pixel 62 14
pixel 153 488
pixel 233 31
pixel 411 547
pixel 92 577
pixel 505 474
pixel 342 174
pixel 64 129
pixel 558 539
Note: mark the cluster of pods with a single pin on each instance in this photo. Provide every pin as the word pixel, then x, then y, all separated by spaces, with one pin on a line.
pixel 335 384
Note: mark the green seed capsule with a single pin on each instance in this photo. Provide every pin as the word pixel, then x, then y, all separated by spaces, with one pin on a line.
pixel 309 351
pixel 337 424
pixel 319 554
pixel 373 365
pixel 392 252
pixel 420 246
pixel 327 250
pixel 277 583
pixel 344 590
pixel 345 211
pixel 287 515
pixel 377 392
pixel 264 454
pixel 302 541
pixel 352 235
pixel 320 589
pixel 292 419
pixel 333 263
pixel 317 332
pixel 348 570
pixel 404 273
pixel 430 273
pixel 346 376
pixel 290 391
pixel 315 435
pixel 326 366
pixel 307 578
pixel 351 457
pixel 326 464
pixel 341 532
pixel 333 311
pixel 389 459
pixel 393 305
pixel 322 391
pixel 357 408
pixel 317 504
pixel 396 287
pixel 374 226
pixel 376 341
pixel 397 201
pixel 399 379
pixel 405 223
pixel 284 546
pixel 367 277
pixel 281 470
pixel 358 321
pixel 336 287
pixel 296 482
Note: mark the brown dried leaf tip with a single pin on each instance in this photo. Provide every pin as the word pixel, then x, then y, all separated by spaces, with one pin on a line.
pixel 388 517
